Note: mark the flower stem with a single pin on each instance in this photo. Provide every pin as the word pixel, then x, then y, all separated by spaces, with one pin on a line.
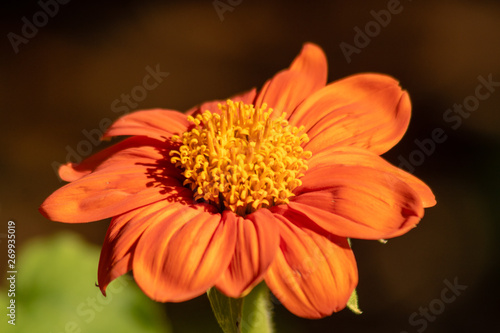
pixel 257 310
pixel 251 314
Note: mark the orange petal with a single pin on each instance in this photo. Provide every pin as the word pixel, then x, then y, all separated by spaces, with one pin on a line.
pixel 312 275
pixel 73 171
pixel 358 202
pixel 366 110
pixel 312 60
pixel 183 254
pixel 122 236
pixel 131 178
pixel 156 123
pixel 247 97
pixel 256 245
pixel 352 156
pixel 290 87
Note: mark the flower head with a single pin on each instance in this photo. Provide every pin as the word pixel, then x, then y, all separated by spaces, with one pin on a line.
pixel 266 185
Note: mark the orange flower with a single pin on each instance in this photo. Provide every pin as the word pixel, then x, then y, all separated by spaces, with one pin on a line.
pixel 267 186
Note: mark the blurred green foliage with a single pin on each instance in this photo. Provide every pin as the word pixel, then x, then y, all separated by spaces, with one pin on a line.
pixel 56 293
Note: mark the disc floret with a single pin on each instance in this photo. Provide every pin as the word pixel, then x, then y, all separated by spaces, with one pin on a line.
pixel 242 159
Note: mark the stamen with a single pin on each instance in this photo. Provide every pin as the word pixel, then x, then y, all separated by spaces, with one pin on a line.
pixel 241 159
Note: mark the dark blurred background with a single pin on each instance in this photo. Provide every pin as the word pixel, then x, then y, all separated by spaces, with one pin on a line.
pixel 59 82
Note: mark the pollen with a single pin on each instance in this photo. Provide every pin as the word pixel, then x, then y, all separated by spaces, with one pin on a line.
pixel 241 159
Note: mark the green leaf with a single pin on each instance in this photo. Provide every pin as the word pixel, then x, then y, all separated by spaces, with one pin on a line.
pixel 56 292
pixel 352 303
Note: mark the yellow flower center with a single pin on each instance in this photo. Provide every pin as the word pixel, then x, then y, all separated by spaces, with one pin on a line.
pixel 242 159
